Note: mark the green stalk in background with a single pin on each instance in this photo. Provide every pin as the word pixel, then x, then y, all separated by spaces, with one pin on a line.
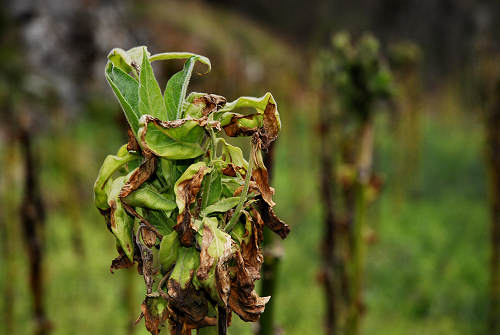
pixel 489 97
pixel 353 78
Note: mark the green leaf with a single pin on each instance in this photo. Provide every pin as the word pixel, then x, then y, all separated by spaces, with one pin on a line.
pixel 126 89
pixel 129 60
pixel 176 89
pixel 182 142
pixel 182 55
pixel 233 155
pixel 121 223
pixel 148 197
pixel 222 206
pixel 150 97
pixel 111 164
pixel 169 251
pixel 229 186
pixel 187 262
pixel 160 220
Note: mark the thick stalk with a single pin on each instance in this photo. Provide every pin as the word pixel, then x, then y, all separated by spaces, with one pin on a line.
pixel 364 167
pixel 221 321
pixel 32 213
pixel 327 182
pixel 493 161
pixel 270 266
pixel 8 224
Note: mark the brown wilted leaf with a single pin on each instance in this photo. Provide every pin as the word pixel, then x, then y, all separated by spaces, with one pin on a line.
pixel 148 236
pixel 234 129
pixel 206 261
pixel 132 144
pixel 188 306
pixel 219 245
pixel 252 188
pixel 271 126
pixel 251 253
pixel 259 173
pixel 230 170
pixel 243 299
pixel 189 188
pixel 155 313
pixel 212 102
pixel 120 262
pixel 223 281
pixel 139 176
pixel 272 221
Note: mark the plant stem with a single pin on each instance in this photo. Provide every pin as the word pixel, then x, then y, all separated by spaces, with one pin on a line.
pixel 329 244
pixel 493 162
pixel 243 197
pixel 221 321
pixel 32 213
pixel 213 145
pixel 270 266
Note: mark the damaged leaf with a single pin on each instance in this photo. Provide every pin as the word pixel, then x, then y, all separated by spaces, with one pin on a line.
pixel 215 252
pixel 155 312
pixel 186 189
pixel 243 299
pixel 121 223
pixel 111 164
pixel 179 139
pixel 260 176
pixel 176 89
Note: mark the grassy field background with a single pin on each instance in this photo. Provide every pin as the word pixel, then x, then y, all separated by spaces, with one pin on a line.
pixel 426 272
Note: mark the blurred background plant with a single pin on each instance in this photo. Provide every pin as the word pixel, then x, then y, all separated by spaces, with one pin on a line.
pixel 427 264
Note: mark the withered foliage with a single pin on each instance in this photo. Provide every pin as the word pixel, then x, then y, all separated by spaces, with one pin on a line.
pixel 183 204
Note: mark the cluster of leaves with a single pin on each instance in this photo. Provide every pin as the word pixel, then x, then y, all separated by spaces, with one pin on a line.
pixel 182 202
pixel 356 73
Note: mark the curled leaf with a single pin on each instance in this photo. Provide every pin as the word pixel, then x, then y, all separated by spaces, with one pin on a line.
pixel 179 139
pixel 139 176
pixel 155 312
pixel 243 299
pixel 130 60
pixel 260 175
pixel 266 117
pixel 175 92
pixel 111 164
pixel 188 305
pixel 272 221
pixel 121 223
pixel 146 196
pixel 215 252
pixel 186 189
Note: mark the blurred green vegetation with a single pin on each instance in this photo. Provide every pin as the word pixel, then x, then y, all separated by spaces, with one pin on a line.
pixel 426 270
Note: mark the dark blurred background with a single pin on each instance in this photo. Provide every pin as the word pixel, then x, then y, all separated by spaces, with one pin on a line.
pixel 427 265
